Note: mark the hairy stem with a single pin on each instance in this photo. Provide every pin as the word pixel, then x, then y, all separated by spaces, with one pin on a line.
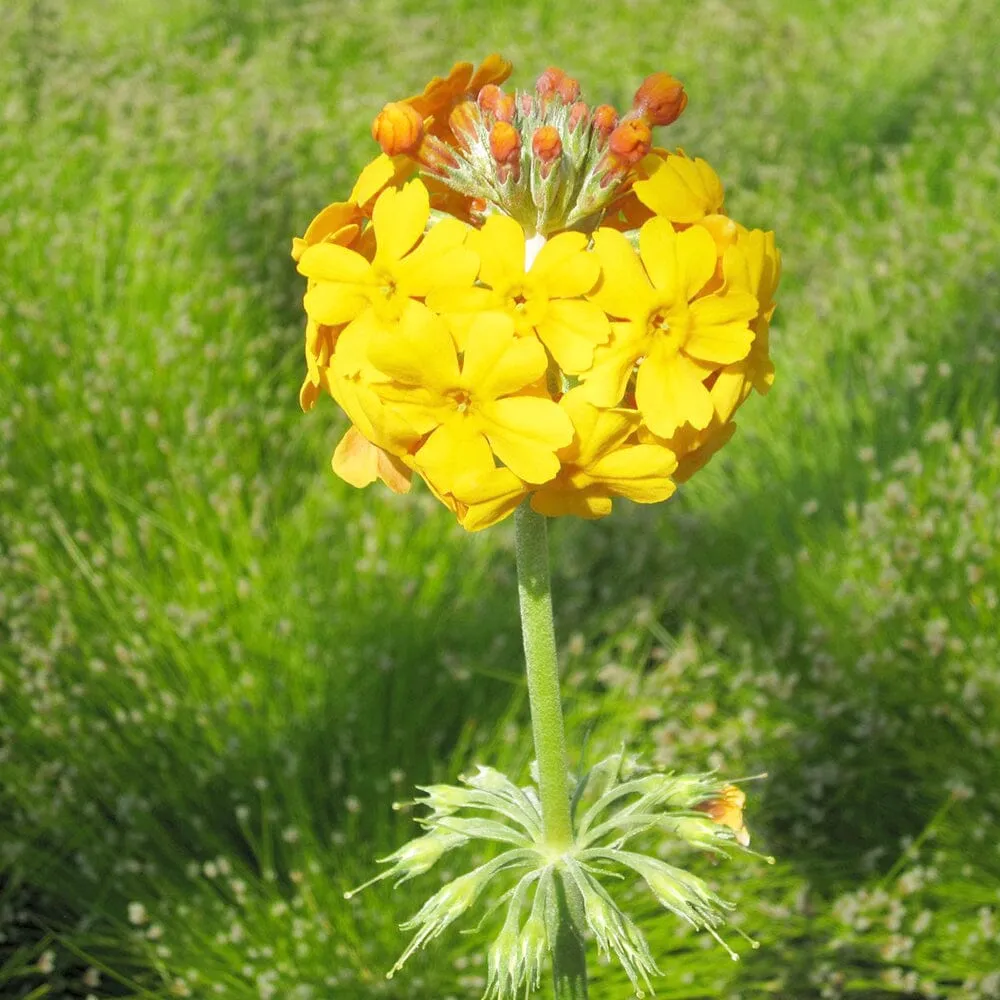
pixel 569 962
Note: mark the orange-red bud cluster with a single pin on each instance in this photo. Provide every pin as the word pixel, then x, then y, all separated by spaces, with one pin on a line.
pixel 660 99
pixel 398 129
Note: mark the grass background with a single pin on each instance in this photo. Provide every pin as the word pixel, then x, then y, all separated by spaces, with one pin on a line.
pixel 219 665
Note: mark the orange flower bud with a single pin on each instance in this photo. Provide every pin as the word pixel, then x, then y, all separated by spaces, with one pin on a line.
pixel 506 109
pixel 548 83
pixel 488 98
pixel 605 120
pixel 578 113
pixel 660 99
pixel 435 156
pixel 630 142
pixel 546 144
pixel 505 143
pixel 493 101
pixel 568 89
pixel 398 129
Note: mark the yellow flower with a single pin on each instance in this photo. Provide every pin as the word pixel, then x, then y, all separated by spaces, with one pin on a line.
pixel 601 462
pixel 678 188
pixel 676 335
pixel 474 406
pixel 544 300
pixel 727 810
pixel 407 264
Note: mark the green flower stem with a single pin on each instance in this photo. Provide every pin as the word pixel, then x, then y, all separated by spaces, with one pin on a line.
pixel 535 593
pixel 569 959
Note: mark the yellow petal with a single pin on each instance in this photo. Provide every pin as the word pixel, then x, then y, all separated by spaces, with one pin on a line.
pixel 555 502
pixel 696 256
pixel 489 496
pixel 308 394
pixel 598 431
pixel 670 393
pixel 496 362
pixel 462 300
pixel 720 328
pixel 333 304
pixel 695 460
pixel 399 218
pixel 604 383
pixel 525 432
pixel 623 289
pixel 571 329
pixel 383 170
pixel 730 390
pixel 639 472
pixel 350 358
pixel 418 352
pixel 564 268
pixel 331 219
pixel 332 262
pixel 455 452
pixel 500 246
pixel 422 273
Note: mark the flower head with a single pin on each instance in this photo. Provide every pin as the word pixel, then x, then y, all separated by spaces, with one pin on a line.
pixel 524 297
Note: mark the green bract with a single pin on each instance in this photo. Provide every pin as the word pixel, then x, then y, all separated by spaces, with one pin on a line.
pixel 615 802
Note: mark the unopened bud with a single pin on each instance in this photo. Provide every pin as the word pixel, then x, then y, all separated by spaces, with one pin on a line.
pixel 526 103
pixel 577 114
pixel 494 102
pixel 505 145
pixel 546 145
pixel 548 83
pixel 660 99
pixel 605 120
pixel 488 98
pixel 463 119
pixel 630 142
pixel 568 89
pixel 435 156
pixel 398 129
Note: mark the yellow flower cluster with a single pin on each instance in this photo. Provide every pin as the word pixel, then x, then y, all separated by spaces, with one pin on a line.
pixel 552 309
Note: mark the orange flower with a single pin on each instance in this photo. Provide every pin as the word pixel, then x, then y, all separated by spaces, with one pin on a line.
pixel 442 94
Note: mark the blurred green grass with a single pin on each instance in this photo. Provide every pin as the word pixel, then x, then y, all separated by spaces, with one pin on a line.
pixel 218 665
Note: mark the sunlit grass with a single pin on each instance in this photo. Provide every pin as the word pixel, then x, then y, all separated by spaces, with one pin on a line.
pixel 218 665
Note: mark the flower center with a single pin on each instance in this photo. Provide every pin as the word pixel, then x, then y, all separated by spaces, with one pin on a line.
pixel 668 324
pixel 461 400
